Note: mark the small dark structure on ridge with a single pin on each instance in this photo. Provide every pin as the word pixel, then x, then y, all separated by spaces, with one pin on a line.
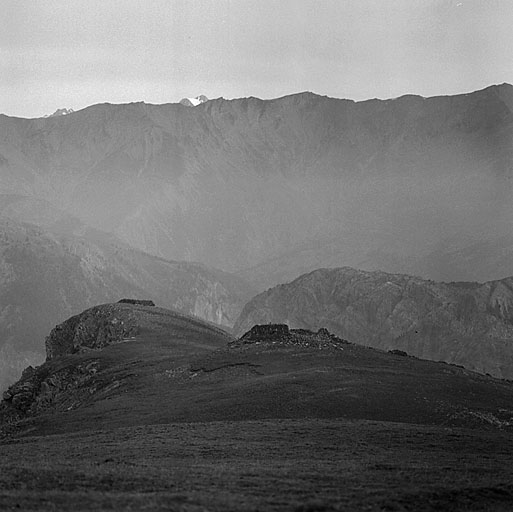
pixel 268 331
pixel 398 352
pixel 137 302
pixel 281 334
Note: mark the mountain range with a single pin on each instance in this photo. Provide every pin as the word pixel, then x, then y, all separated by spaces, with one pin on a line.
pixel 242 184
pixel 118 200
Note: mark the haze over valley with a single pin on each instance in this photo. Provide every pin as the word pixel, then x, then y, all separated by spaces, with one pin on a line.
pixel 241 184
pixel 256 255
pixel 265 190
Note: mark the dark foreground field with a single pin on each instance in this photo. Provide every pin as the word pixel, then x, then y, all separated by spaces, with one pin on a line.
pixel 288 464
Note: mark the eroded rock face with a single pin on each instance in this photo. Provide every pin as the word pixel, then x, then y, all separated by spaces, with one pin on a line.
pixel 93 329
pixel 44 387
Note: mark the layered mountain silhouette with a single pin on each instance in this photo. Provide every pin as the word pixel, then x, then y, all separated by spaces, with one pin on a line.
pixel 128 364
pixel 462 257
pixel 46 276
pixel 466 323
pixel 242 183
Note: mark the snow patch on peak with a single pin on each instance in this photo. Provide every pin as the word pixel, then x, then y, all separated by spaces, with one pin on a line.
pixel 61 112
pixel 193 102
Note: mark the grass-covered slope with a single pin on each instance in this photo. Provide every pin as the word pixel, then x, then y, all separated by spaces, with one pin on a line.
pixel 292 465
pixel 124 364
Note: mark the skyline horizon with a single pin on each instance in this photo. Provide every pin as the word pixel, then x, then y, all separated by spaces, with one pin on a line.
pixel 77 53
pixel 78 109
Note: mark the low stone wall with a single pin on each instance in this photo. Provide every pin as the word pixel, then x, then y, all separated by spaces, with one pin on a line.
pixel 137 302
pixel 280 333
pixel 263 332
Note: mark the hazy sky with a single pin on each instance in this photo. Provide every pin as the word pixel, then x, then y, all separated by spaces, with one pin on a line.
pixel 73 53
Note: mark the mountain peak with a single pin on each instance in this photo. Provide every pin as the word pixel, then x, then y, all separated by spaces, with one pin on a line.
pixel 194 102
pixel 61 112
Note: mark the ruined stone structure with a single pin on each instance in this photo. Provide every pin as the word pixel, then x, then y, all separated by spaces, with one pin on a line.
pixel 281 334
pixel 263 332
pixel 137 302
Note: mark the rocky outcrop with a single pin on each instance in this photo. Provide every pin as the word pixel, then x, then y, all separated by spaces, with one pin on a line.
pixel 77 368
pixel 470 324
pixel 93 329
pixel 45 387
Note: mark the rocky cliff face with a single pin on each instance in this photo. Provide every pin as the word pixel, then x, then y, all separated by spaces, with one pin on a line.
pixel 93 329
pixel 464 323
pixel 234 183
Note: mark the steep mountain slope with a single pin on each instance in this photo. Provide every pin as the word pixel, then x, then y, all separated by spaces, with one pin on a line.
pixel 234 183
pixel 465 323
pixel 46 277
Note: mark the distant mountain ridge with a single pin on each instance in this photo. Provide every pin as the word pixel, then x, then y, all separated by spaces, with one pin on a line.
pixel 235 183
pixel 462 257
pixel 466 323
